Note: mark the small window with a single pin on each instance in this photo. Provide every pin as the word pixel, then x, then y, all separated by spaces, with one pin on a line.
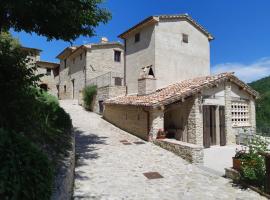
pixel 65 88
pixel 49 71
pixel 73 60
pixel 117 56
pixel 81 56
pixel 137 37
pixel 185 38
pixel 117 81
pixel 65 63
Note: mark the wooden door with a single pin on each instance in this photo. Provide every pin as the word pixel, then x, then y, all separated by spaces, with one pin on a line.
pixel 206 127
pixel 213 127
pixel 222 125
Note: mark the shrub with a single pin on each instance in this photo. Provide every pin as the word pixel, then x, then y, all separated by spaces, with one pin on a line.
pixel 88 95
pixel 253 165
pixel 25 171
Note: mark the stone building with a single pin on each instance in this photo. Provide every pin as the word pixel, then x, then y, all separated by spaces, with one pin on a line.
pixel 100 64
pixel 170 89
pixel 48 70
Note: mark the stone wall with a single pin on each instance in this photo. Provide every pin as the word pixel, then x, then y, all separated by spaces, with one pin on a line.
pixel 190 152
pixel 64 179
pixel 129 118
pixel 156 123
pixel 107 92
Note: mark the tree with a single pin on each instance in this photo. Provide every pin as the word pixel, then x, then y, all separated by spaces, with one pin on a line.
pixel 54 19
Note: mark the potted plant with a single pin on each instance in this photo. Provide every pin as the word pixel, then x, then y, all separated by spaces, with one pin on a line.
pixel 237 159
pixel 161 134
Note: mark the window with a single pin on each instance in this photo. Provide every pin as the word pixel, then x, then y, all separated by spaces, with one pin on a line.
pixel 137 37
pixel 65 88
pixel 185 38
pixel 65 63
pixel 117 81
pixel 240 113
pixel 117 56
pixel 73 60
pixel 49 71
pixel 81 56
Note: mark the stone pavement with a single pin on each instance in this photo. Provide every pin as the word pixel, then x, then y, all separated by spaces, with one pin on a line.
pixel 110 170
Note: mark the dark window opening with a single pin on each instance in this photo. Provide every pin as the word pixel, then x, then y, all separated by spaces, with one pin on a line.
pixel 117 56
pixel 151 72
pixel 117 81
pixel 137 37
pixel 73 60
pixel 80 56
pixel 185 38
pixel 65 89
pixel 101 108
pixel 49 72
pixel 44 86
pixel 65 63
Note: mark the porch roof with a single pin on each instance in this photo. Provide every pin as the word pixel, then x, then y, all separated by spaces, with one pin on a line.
pixel 179 91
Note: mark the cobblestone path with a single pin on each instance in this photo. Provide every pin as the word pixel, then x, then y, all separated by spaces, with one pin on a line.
pixel 112 170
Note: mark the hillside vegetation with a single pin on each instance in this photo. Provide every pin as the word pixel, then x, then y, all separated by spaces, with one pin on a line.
pixel 263 103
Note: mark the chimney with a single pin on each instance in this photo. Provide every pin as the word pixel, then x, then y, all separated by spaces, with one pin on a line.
pixel 104 40
pixel 147 81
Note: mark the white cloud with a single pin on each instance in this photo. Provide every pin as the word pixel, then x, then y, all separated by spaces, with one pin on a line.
pixel 246 72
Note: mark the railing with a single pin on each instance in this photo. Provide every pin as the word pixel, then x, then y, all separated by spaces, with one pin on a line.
pixel 107 79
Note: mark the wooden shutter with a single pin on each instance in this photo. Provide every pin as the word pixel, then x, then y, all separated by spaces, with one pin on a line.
pixel 222 125
pixel 206 126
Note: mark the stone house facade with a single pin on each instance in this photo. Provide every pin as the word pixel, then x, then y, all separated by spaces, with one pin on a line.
pixel 48 70
pixel 100 64
pixel 170 89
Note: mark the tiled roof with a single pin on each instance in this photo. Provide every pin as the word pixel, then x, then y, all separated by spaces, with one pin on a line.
pixel 178 91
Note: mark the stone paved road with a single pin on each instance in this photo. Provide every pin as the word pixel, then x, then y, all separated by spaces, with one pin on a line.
pixel 107 169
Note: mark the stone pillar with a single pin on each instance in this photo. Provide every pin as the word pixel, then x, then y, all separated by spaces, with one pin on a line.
pixel 230 136
pixel 195 123
pixel 253 116
pixel 156 123
pixel 146 85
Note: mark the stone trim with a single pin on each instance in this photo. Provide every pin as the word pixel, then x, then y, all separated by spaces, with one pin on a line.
pixel 190 152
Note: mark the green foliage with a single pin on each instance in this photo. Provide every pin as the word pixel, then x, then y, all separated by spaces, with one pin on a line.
pixel 89 93
pixel 64 20
pixel 25 172
pixel 253 164
pixel 38 130
pixel 263 103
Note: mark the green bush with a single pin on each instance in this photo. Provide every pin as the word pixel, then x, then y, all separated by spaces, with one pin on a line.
pixel 25 172
pixel 89 93
pixel 253 164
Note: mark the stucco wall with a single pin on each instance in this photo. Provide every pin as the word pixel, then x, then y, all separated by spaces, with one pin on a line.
pixel 129 118
pixel 176 61
pixel 139 55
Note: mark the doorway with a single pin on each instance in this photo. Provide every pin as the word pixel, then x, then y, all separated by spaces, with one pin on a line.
pixel 100 103
pixel 213 126
pixel 209 126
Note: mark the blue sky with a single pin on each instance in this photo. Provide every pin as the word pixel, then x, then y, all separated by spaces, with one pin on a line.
pixel 241 29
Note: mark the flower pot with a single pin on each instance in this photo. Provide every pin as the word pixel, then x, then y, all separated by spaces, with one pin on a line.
pixel 237 164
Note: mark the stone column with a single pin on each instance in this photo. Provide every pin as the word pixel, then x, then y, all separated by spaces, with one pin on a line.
pixel 253 116
pixel 156 123
pixel 230 137
pixel 195 123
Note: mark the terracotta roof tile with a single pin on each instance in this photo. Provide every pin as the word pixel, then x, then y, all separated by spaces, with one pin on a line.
pixel 177 91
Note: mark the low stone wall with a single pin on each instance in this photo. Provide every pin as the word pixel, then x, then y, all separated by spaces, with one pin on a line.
pixel 63 184
pixel 190 152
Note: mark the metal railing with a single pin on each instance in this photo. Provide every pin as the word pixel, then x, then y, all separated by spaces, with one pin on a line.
pixel 107 79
